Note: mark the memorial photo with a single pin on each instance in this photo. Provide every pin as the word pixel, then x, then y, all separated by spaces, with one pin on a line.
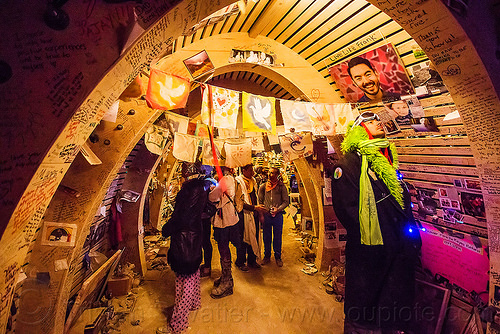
pixel 199 64
pixel 378 75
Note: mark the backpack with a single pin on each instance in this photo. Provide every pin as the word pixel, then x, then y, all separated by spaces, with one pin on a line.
pixel 209 211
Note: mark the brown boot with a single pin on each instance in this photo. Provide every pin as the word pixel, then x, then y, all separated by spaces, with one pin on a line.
pixel 224 285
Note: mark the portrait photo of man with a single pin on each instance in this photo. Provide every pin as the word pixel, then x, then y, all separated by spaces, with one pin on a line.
pixel 376 76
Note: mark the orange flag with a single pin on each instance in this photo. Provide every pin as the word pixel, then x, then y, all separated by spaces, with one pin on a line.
pixel 167 91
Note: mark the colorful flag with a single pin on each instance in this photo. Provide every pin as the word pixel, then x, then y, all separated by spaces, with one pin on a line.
pixel 239 153
pixel 259 113
pixel 228 133
pixel 222 105
pixel 296 145
pixel 207 155
pixel 185 147
pixel 201 130
pixel 257 143
pixel 177 122
pixel 295 116
pixel 343 115
pixel 167 91
pixel 156 139
pixel 322 118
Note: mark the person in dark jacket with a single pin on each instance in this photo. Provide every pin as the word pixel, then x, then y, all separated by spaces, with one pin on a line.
pixel 186 233
pixel 382 238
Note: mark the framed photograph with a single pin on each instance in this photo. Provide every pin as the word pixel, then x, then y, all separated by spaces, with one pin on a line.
pixel 445 202
pixel 130 196
pixel 307 224
pixel 426 204
pixel 433 301
pixel 458 183
pixel 400 111
pixel 473 204
pixel 459 217
pixel 455 205
pixel 448 216
pixel 427 78
pixel 58 234
pixel 391 127
pixel 199 64
pixel 377 75
pixel 443 192
pixel 472 184
pixel 424 124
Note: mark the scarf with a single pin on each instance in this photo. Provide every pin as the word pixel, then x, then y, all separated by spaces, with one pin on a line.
pixel 248 184
pixel 357 140
pixel 271 185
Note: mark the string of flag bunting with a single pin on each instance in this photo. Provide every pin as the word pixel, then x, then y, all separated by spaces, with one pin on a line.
pixel 220 109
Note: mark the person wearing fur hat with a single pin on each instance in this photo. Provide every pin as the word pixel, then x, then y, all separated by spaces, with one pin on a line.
pixel 382 238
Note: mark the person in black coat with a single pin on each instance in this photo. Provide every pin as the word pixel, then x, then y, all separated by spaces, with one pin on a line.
pixel 382 238
pixel 185 253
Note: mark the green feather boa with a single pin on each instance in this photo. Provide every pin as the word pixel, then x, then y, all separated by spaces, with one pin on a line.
pixel 378 162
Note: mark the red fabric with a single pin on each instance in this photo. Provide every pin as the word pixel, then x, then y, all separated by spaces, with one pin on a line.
pixel 210 133
pixel 271 185
pixel 384 151
pixel 116 225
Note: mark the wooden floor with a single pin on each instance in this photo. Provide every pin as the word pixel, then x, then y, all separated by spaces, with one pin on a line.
pixel 268 300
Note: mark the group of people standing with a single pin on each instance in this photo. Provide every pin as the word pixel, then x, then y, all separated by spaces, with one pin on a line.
pixel 244 203
pixel 369 200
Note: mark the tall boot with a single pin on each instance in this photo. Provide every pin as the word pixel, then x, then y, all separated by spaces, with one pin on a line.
pixel 224 285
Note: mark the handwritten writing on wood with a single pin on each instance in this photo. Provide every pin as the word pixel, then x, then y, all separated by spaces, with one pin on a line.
pixel 38 194
pixel 7 286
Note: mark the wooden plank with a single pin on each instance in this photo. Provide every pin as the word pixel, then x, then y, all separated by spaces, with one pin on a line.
pixel 434 141
pixel 269 18
pixel 429 185
pixel 471 229
pixel 444 130
pixel 348 33
pixel 243 16
pixel 228 22
pixel 301 20
pixel 447 178
pixel 91 285
pixel 431 159
pixel 288 19
pixel 455 121
pixel 306 37
pixel 217 28
pixel 436 100
pixel 255 12
pixel 408 47
pixel 439 111
pixel 437 150
pixel 456 170
pixel 409 59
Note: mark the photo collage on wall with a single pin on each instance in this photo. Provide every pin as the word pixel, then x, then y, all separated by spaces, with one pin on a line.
pixel 461 200
pixel 360 76
pixel 252 56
